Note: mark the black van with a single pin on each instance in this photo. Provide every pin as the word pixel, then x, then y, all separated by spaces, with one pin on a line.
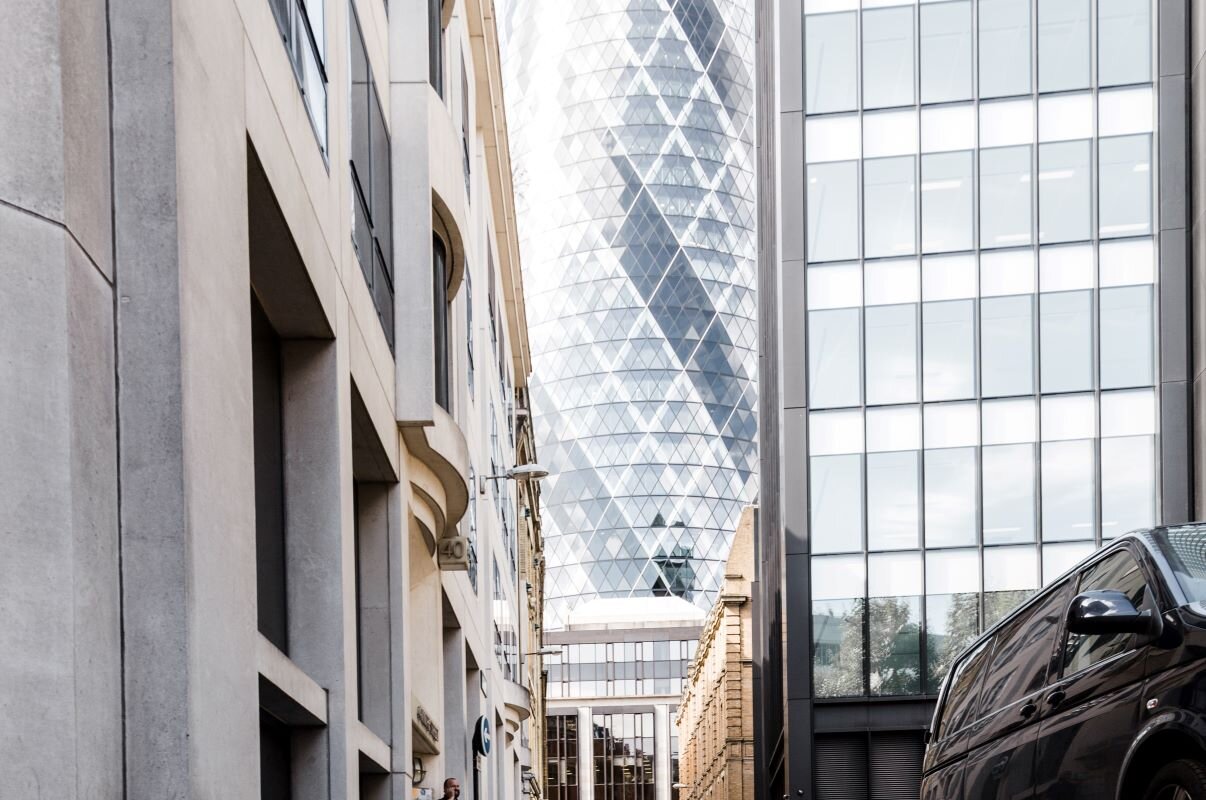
pixel 1094 688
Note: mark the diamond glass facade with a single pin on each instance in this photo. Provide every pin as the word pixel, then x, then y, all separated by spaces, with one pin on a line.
pixel 631 128
pixel 980 287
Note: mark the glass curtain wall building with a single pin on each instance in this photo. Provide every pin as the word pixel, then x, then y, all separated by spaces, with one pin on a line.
pixel 968 333
pixel 631 129
pixel 632 138
pixel 981 304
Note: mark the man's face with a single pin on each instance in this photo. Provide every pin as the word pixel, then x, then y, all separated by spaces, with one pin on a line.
pixel 453 789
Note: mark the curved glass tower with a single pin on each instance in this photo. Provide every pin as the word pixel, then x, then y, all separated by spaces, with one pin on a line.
pixel 631 129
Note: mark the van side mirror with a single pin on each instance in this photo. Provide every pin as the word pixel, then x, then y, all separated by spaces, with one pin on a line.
pixel 1107 612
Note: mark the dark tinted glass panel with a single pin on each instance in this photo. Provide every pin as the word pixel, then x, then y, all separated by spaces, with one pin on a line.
pixel 963 690
pixel 269 479
pixel 440 314
pixel 1022 653
pixel 276 759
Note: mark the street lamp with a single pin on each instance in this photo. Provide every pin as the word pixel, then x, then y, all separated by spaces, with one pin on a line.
pixel 547 650
pixel 520 472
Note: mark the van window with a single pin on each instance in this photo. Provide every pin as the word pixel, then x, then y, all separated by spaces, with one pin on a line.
pixel 963 690
pixel 1122 573
pixel 1023 651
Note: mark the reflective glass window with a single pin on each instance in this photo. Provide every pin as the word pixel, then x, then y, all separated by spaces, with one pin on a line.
pixel 1005 196
pixel 888 57
pixel 949 344
pixel 946 202
pixel 1126 185
pixel 893 500
pixel 1068 482
pixel 891 354
pixel 1004 47
pixel 1009 508
pixel 1127 337
pixel 950 497
pixel 833 358
pixel 946 51
pixel 837 503
pixel 830 48
pixel 1007 345
pixel 894 623
pixel 838 614
pixel 1066 341
pixel 1128 484
pixel 1065 206
pixel 833 211
pixel 889 207
pixel 1060 557
pixel 1010 577
pixel 1064 41
pixel 1124 42
pixel 952 616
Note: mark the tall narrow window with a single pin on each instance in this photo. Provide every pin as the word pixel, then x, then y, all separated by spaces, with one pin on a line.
pixel 439 311
pixel 465 123
pixel 370 168
pixel 469 368
pixel 271 594
pixel 435 45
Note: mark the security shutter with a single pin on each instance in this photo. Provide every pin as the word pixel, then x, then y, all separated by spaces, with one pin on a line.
pixel 896 765
pixel 840 767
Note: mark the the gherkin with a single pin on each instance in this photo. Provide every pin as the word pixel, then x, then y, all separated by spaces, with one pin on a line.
pixel 632 140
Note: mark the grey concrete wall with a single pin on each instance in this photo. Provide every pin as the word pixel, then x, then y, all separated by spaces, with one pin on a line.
pixel 1195 68
pixel 1175 309
pixel 60 680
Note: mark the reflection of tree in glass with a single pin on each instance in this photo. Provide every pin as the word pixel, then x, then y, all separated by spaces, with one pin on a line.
pixel 838 648
pixel 998 604
pixel 945 642
pixel 895 646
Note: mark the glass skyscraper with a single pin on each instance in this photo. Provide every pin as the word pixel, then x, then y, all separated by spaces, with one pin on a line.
pixel 968 275
pixel 631 125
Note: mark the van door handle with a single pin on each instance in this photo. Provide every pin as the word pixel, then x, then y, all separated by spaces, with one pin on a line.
pixel 1029 709
pixel 1056 697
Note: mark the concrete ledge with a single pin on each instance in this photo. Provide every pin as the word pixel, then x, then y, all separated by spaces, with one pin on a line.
pixel 372 749
pixel 439 464
pixel 518 700
pixel 286 691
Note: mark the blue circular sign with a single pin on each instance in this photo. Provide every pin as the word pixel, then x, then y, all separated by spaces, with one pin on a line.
pixel 481 736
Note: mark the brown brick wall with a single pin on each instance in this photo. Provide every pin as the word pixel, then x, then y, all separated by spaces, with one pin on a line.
pixel 715 717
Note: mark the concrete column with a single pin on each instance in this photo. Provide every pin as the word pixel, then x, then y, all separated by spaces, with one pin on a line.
pixel 315 563
pixel 586 755
pixel 661 751
pixel 457 725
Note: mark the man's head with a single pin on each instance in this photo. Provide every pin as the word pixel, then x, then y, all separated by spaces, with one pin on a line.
pixel 452 789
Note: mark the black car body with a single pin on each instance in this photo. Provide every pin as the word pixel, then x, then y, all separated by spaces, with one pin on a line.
pixel 1093 688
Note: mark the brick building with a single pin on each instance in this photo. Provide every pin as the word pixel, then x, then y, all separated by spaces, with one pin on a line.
pixel 715 718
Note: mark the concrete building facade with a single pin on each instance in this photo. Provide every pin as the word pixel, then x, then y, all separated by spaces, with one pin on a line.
pixel 715 717
pixel 977 342
pixel 264 371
